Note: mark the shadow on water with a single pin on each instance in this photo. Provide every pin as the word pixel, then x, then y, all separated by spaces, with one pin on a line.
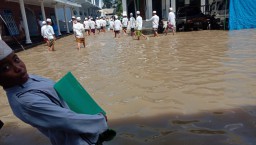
pixel 217 127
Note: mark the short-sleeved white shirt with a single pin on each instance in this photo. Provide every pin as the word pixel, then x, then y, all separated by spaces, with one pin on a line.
pixel 132 22
pixel 111 24
pixel 92 24
pixel 117 25
pixel 139 23
pixel 48 32
pixel 98 23
pixel 86 24
pixel 42 30
pixel 78 29
pixel 155 21
pixel 104 23
pixel 125 22
pixel 171 18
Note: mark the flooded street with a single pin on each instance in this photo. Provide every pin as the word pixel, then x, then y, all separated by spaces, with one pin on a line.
pixel 193 88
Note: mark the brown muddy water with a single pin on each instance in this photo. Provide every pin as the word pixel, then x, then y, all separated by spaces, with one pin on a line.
pixel 193 88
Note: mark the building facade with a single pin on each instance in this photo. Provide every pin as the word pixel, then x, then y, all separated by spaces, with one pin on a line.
pixel 22 18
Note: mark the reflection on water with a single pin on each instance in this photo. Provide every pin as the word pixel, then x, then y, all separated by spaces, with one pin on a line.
pixel 193 88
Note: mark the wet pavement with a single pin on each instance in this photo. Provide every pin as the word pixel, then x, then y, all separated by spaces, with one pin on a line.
pixel 193 88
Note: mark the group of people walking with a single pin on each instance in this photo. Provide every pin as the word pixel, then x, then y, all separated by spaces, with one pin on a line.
pixel 90 26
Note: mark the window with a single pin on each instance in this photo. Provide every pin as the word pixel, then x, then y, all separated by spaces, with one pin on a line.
pixel 10 23
pixel 75 13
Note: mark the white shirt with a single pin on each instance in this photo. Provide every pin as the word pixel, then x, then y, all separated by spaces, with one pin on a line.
pixel 42 31
pixel 98 23
pixel 92 24
pixel 125 22
pixel 171 18
pixel 48 32
pixel 101 22
pixel 104 23
pixel 86 24
pixel 139 23
pixel 117 25
pixel 155 21
pixel 111 24
pixel 78 29
pixel 132 22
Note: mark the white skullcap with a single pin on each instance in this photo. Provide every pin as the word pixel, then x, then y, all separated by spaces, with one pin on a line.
pixel 86 18
pixel 154 12
pixel 116 16
pixel 170 9
pixel 5 50
pixel 131 14
pixel 43 23
pixel 138 12
pixel 48 20
pixel 73 17
pixel 78 19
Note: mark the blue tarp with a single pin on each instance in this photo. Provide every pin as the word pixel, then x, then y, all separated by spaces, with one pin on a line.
pixel 242 14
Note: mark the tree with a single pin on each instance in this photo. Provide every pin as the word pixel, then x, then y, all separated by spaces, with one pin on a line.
pixel 119 7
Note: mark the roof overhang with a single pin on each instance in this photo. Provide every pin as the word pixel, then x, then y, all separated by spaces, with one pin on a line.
pixel 49 3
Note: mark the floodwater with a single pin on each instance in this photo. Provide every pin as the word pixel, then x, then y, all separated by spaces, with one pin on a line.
pixel 193 88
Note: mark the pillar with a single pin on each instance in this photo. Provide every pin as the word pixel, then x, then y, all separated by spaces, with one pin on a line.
pixel 173 5
pixel 66 19
pixel 57 18
pixel 203 6
pixel 100 4
pixel 25 21
pixel 149 10
pixel 167 7
pixel 42 9
pixel 187 2
pixel 124 4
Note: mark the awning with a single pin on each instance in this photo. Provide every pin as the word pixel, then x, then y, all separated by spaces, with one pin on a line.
pixel 49 3
pixel 69 3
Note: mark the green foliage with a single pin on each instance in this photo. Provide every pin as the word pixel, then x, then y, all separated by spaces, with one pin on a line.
pixel 119 7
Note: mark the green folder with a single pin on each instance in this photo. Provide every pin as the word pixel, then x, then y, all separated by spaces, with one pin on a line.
pixel 76 96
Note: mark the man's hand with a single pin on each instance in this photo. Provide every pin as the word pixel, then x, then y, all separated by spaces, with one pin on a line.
pixel 106 118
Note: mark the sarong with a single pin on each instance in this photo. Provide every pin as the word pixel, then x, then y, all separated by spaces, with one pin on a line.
pixel 80 40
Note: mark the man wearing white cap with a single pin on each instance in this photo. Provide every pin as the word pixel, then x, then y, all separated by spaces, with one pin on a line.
pixel 103 24
pixel 98 24
pixel 117 26
pixel 111 24
pixel 42 30
pixel 34 100
pixel 155 23
pixel 86 26
pixel 139 26
pixel 124 22
pixel 73 19
pixel 78 29
pixel 171 23
pixel 92 25
pixel 49 35
pixel 132 24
